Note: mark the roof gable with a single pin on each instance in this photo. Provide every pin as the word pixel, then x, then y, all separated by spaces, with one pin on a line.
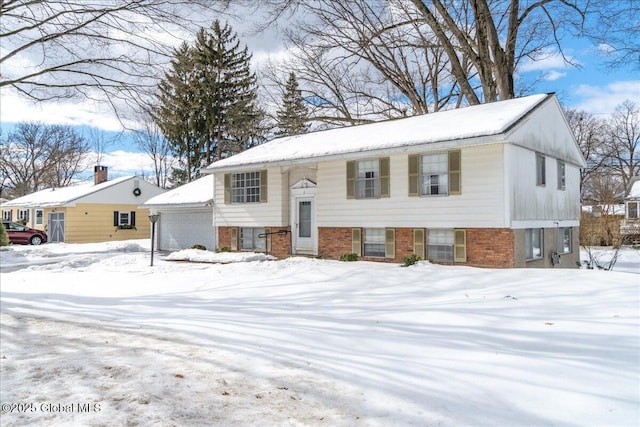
pixel 62 196
pixel 486 120
pixel 198 192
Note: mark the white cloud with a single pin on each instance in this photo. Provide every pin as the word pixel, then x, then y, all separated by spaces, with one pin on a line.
pixel 604 99
pixel 553 75
pixel 121 163
pixel 546 60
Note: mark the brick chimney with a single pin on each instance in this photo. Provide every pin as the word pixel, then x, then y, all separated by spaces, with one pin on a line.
pixel 99 175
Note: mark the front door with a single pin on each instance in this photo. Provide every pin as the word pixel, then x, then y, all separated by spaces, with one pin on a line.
pixel 55 230
pixel 304 226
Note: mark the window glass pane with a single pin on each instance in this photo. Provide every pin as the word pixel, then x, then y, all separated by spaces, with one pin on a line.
pixel 373 244
pixel 368 179
pixel 435 174
pixel 250 240
pixel 566 240
pixel 304 219
pixel 561 175
pixel 633 210
pixel 440 245
pixel 245 187
pixel 533 243
pixel 124 218
pixel 39 215
pixel 540 169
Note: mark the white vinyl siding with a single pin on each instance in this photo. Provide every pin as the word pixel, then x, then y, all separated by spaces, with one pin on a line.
pixel 273 212
pixel 481 203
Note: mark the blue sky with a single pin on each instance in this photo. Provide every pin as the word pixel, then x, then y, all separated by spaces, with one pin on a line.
pixel 590 87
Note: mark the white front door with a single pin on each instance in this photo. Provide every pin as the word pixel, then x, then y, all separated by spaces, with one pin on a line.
pixel 304 233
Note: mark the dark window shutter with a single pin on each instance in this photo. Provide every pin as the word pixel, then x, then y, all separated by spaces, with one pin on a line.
pixel 227 188
pixel 390 243
pixel 263 186
pixel 455 172
pixel 356 241
pixel 351 179
pixel 115 218
pixel 414 174
pixel 385 177
pixel 132 218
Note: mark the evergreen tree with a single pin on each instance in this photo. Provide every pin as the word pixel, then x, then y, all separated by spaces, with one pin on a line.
pixel 4 238
pixel 293 116
pixel 207 101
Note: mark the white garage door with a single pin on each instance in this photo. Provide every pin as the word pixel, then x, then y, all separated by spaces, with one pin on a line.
pixel 182 230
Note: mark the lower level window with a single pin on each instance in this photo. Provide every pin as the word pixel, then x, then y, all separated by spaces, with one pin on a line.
pixel 373 242
pixel 6 215
pixel 533 243
pixel 564 240
pixel 440 245
pixel 23 215
pixel 250 240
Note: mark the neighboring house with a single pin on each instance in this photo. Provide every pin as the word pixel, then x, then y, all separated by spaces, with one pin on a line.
pixel 493 185
pixel 630 226
pixel 91 212
pixel 600 224
pixel 186 216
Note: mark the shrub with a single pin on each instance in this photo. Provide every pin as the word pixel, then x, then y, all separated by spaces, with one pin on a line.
pixel 349 257
pixel 223 249
pixel 4 238
pixel 200 247
pixel 410 260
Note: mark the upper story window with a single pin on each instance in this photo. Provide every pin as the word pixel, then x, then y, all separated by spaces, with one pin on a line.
pixel 368 179
pixel 561 175
pixel 245 187
pixel 541 170
pixel 437 174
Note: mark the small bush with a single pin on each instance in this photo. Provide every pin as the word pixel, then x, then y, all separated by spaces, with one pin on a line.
pixel 223 249
pixel 349 257
pixel 199 247
pixel 4 238
pixel 410 260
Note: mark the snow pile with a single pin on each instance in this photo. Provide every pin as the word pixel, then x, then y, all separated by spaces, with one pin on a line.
pixel 196 255
pixel 310 342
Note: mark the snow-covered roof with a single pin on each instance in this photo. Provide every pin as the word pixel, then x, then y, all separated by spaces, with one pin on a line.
pixel 198 193
pixel 451 125
pixel 634 193
pixel 60 196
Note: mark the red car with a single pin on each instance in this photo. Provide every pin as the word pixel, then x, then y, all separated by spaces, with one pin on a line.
pixel 21 235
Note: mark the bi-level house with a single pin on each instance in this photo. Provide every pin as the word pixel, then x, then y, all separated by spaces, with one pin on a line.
pixel 493 185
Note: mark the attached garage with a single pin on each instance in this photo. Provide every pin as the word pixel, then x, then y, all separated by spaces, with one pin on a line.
pixel 182 229
pixel 185 216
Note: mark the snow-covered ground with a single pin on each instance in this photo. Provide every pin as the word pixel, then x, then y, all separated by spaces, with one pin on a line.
pixel 92 335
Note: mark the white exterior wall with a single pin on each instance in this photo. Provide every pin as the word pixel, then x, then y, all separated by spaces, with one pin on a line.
pixel 481 203
pixel 122 193
pixel 272 213
pixel 540 206
pixel 181 228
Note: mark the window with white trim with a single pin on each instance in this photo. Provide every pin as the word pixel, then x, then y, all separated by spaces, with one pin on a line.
pixel 533 239
pixel 124 218
pixel 373 242
pixel 562 180
pixel 39 216
pixel 541 170
pixel 7 215
pixel 434 176
pixel 23 215
pixel 633 208
pixel 368 179
pixel 565 243
pixel 440 244
pixel 245 187
pixel 250 240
